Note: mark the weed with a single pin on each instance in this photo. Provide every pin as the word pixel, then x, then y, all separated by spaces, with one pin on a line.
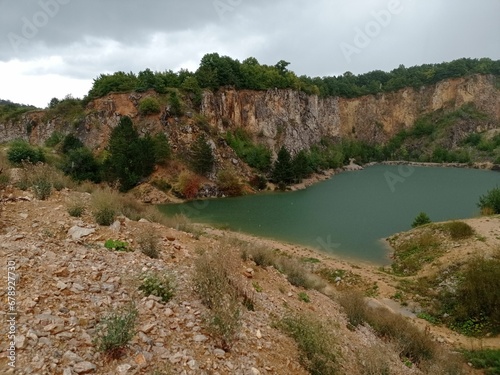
pixel 257 287
pixel 76 207
pixel 159 284
pixel 374 361
pixel 303 296
pixel 354 306
pixel 114 331
pixel 414 252
pixel 315 341
pixel 261 255
pixel 149 242
pixel 297 275
pixel 430 318
pixel 117 245
pixel 459 230
pixel 105 206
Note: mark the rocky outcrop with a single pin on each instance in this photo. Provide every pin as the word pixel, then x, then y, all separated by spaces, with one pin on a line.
pixel 297 120
pixel 272 117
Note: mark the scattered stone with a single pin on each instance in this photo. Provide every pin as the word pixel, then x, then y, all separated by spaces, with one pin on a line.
pixel 200 338
pixel 219 353
pixel 71 357
pixel 20 342
pixel 77 233
pixel 258 334
pixel 84 367
pixel 123 369
pixel 254 371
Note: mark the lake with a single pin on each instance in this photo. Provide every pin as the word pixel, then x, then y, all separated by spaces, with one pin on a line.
pixel 349 214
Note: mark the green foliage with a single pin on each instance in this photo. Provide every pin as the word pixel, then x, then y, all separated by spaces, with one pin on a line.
pixel 162 185
pixel 70 109
pixel 255 155
pixel 54 139
pixel 175 104
pixel 81 165
pixel 149 106
pixel 487 359
pixel 117 82
pixel 117 245
pixel 228 183
pixel 162 151
pixel 316 343
pixel 130 158
pixel 42 187
pixel 202 157
pixel 304 297
pixel 421 219
pixel 459 230
pixel 158 284
pixel 76 208
pixel 13 111
pixel 301 166
pixel 477 299
pixel 412 253
pixel 114 331
pixel 70 142
pixel 354 306
pixel 490 201
pixel 283 168
pixel 104 207
pixel 21 151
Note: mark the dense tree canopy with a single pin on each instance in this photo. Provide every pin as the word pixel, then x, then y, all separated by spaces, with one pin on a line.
pixel 216 71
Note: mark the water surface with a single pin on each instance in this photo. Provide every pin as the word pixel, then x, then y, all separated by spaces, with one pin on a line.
pixel 349 214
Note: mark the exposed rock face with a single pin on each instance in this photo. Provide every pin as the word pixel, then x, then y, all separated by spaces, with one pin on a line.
pixel 298 120
pixel 273 117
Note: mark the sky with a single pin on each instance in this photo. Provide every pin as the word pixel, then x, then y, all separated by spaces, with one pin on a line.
pixel 54 48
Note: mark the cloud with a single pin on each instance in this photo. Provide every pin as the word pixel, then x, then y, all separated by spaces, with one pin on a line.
pixel 90 37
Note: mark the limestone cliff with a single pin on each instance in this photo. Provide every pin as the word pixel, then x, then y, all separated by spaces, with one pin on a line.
pixel 273 117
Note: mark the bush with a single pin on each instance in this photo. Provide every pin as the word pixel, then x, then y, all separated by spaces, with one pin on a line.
pixel 228 183
pixel 54 139
pixel 76 207
pixel 188 185
pixel 411 254
pixel 149 243
pixel 298 275
pixel 354 306
pixel 459 230
pixel 304 297
pixel 420 220
pixel 262 256
pixel 256 156
pixel 159 284
pixel 70 142
pixel 477 300
pixel 105 206
pixel 21 151
pixel 315 342
pixel 149 106
pixel 80 164
pixel 114 332
pixel 490 201
pixel 215 283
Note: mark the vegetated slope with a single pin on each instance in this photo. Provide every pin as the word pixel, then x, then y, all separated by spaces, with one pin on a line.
pixel 71 277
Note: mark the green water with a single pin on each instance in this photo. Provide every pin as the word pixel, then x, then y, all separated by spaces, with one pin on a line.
pixel 349 214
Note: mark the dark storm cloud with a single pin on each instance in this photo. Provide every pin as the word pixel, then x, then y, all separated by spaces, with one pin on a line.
pixel 83 38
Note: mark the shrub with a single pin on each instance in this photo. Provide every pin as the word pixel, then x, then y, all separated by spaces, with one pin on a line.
pixel 488 359
pixel 158 284
pixel 21 151
pixel 303 296
pixel 149 243
pixel 354 306
pixel 256 156
pixel 215 283
pixel 490 201
pixel 413 253
pixel 76 207
pixel 315 342
pixel 476 307
pixel 149 106
pixel 105 205
pixel 459 230
pixel 80 164
pixel 420 220
pixel 262 256
pixel 114 331
pixel 298 275
pixel 228 183
pixel 54 139
pixel 70 142
pixel 188 185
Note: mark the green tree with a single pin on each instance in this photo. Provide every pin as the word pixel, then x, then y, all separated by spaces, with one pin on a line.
pixel 149 105
pixel 301 166
pixel 70 142
pixel 490 201
pixel 202 157
pixel 80 164
pixel 21 151
pixel 283 167
pixel 421 219
pixel 175 104
pixel 130 157
pixel 162 149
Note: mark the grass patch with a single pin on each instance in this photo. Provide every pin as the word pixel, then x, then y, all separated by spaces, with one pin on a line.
pixel 219 289
pixel 117 245
pixel 114 332
pixel 158 284
pixel 487 359
pixel 105 206
pixel 414 252
pixel 75 207
pixel 315 342
pixel 459 230
pixel 304 297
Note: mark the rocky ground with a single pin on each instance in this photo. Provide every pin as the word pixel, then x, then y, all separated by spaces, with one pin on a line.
pixel 66 281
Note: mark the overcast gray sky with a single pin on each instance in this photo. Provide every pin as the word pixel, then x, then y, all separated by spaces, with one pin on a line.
pixel 51 48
